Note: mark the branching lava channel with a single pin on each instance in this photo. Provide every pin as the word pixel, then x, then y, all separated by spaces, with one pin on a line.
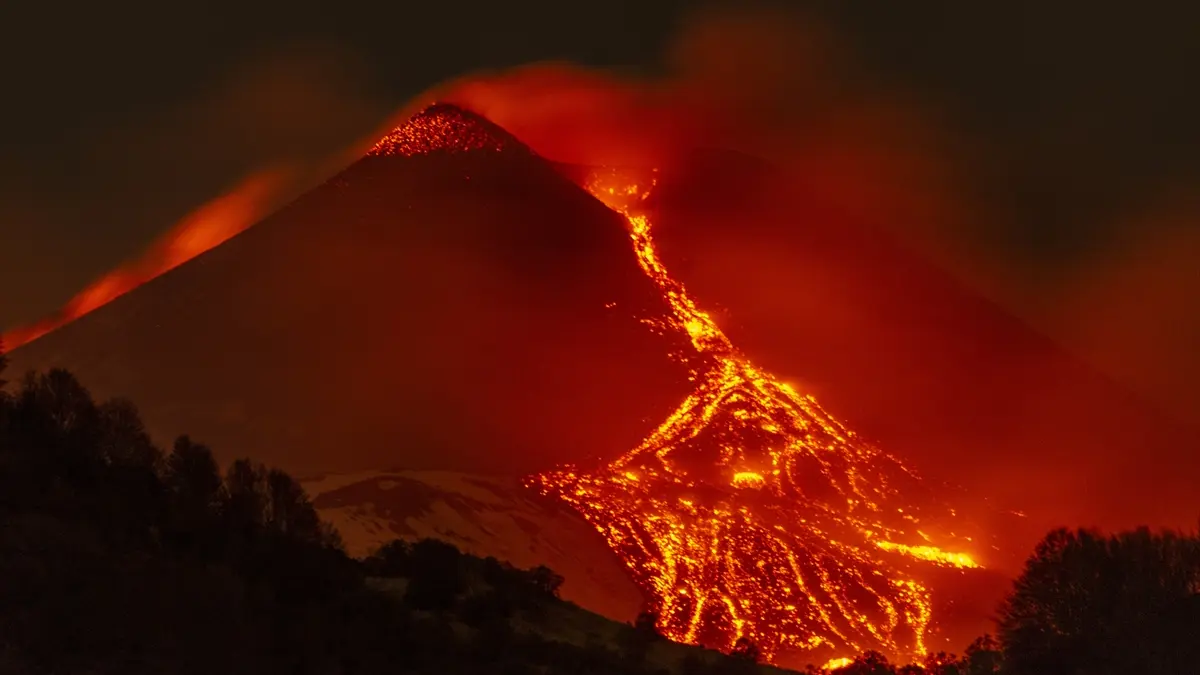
pixel 750 511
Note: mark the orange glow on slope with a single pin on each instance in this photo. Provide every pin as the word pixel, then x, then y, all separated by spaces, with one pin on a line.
pixel 442 128
pixel 932 554
pixel 748 479
pixel 205 228
pixel 438 128
pixel 834 664
pixel 805 561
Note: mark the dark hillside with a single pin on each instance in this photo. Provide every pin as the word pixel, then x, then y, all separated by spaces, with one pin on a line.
pixel 469 310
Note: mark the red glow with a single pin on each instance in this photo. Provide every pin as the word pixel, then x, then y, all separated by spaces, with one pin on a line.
pixel 767 560
pixel 203 229
pixel 751 512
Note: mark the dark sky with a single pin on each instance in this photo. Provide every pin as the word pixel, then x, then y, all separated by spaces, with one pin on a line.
pixel 1077 124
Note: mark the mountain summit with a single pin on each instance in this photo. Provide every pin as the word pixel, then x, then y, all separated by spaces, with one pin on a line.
pixel 446 128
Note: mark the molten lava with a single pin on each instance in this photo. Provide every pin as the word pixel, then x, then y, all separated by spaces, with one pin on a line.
pixel 750 511
pixel 443 128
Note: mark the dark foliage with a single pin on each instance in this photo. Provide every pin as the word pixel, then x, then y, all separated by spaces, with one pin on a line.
pixel 546 581
pixel 1106 604
pixel 868 663
pixel 436 575
pixel 983 657
pixel 745 650
pixel 390 560
pixel 646 624
pixel 484 591
pixel 636 643
pixel 1088 604
pixel 118 558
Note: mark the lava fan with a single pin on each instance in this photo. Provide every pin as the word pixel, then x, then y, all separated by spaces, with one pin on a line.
pixel 752 513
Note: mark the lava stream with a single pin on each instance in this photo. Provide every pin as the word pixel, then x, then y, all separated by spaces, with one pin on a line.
pixel 750 511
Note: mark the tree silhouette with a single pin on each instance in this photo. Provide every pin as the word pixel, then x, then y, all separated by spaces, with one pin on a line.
pixel 122 439
pixel 942 663
pixel 393 559
pixel 1096 604
pixel 245 502
pixel 57 413
pixel 193 477
pixel 635 642
pixel 4 414
pixel 867 663
pixel 195 494
pixel 646 624
pixel 982 657
pixel 546 580
pixel 289 510
pixel 3 364
pixel 436 576
pixel 52 426
pixel 745 650
pixel 132 493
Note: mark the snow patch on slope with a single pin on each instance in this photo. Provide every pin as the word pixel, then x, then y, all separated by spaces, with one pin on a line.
pixel 484 516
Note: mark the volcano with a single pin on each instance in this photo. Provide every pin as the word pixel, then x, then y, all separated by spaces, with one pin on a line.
pixel 454 301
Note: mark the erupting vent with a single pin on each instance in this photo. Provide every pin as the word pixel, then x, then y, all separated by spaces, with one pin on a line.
pixel 444 128
pixel 751 512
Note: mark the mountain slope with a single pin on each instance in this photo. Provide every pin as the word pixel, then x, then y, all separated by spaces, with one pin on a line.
pixel 468 308
pixel 481 515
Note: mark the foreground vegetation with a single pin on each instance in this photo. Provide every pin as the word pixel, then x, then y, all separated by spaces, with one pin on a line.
pixel 117 557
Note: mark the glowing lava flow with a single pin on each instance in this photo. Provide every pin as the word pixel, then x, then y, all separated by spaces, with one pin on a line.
pixel 751 512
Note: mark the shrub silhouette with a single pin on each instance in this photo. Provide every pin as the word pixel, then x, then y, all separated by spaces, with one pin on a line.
pixel 116 557
pixel 1123 603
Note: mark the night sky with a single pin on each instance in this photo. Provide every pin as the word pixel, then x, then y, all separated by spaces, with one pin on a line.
pixel 1074 128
